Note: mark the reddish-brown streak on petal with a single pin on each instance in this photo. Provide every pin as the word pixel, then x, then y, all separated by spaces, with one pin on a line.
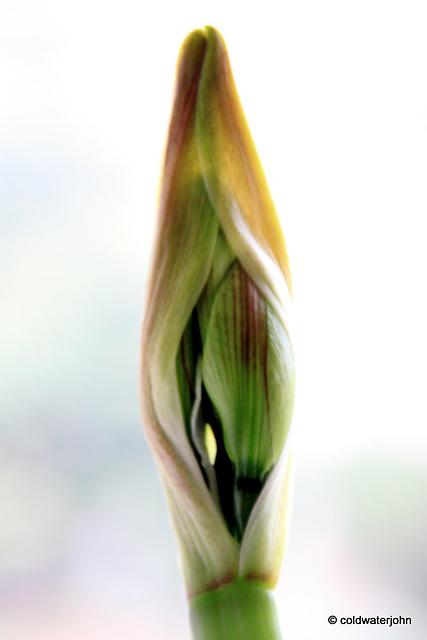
pixel 234 290
pixel 249 318
pixel 185 365
pixel 181 127
pixel 244 301
pixel 187 84
pixel 253 317
pixel 258 576
pixel 214 584
pixel 266 363
pixel 226 331
pixel 243 314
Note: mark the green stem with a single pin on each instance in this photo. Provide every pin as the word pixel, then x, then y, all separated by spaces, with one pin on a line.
pixel 240 610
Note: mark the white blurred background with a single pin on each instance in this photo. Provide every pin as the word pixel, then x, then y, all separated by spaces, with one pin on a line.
pixel 336 97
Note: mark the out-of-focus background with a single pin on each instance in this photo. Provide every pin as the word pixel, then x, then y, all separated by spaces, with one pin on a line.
pixel 336 97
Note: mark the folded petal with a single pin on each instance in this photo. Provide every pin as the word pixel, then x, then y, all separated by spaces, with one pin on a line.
pixel 231 168
pixel 187 233
pixel 266 533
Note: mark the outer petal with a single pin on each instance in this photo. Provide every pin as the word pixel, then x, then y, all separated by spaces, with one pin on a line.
pixel 188 230
pixel 232 171
pixel 268 527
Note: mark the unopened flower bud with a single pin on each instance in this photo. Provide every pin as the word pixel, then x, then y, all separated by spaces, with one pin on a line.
pixel 218 368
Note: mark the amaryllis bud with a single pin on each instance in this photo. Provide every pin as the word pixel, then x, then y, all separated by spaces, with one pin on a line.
pixel 217 361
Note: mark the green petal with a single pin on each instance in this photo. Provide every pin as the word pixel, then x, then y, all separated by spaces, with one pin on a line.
pixel 249 376
pixel 223 257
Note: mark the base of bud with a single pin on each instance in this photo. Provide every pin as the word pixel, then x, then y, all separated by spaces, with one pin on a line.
pixel 237 610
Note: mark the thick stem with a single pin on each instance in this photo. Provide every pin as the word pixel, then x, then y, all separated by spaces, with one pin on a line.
pixel 240 610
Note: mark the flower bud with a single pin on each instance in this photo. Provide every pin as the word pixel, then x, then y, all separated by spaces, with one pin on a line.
pixel 217 366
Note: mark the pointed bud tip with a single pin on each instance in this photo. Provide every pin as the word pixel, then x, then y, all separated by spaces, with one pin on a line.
pixel 193 49
pixel 190 60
